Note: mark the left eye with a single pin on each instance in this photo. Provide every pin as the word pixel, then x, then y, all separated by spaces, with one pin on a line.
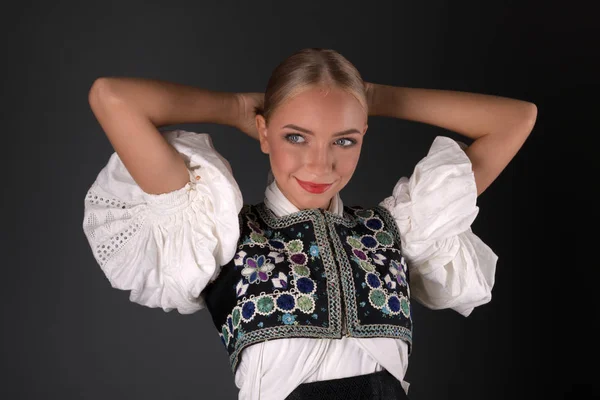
pixel 345 142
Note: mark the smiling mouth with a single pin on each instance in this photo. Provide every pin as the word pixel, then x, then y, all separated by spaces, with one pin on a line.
pixel 313 187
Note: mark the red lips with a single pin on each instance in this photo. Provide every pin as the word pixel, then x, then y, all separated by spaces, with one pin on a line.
pixel 313 187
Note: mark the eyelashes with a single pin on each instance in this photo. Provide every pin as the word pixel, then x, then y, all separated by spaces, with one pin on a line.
pixel 296 138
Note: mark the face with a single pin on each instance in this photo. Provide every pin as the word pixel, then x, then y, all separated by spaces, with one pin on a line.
pixel 313 141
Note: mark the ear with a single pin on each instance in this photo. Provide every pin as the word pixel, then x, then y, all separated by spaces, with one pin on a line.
pixel 261 127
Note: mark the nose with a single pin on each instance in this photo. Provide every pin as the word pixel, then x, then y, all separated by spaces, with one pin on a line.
pixel 320 161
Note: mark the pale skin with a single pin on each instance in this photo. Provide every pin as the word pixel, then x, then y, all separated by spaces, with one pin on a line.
pixel 129 111
pixel 498 125
pixel 322 146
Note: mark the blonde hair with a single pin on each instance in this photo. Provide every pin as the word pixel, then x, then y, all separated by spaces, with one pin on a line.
pixel 307 68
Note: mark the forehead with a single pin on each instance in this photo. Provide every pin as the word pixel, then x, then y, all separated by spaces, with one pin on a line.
pixel 321 108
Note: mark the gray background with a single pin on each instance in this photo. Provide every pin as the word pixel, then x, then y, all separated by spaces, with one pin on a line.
pixel 67 334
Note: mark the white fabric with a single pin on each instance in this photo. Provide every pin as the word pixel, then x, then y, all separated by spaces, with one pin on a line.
pixel 449 266
pixel 182 238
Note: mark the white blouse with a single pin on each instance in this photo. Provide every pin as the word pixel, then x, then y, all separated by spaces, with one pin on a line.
pixel 166 248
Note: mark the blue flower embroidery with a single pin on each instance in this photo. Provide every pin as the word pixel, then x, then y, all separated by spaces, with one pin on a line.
pixel 314 250
pixel 288 319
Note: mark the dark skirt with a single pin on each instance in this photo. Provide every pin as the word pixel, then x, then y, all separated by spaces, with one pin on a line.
pixel 376 386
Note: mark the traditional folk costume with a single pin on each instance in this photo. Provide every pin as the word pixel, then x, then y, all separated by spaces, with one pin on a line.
pixel 308 303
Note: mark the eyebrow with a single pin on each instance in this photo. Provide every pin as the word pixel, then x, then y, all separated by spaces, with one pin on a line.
pixel 296 127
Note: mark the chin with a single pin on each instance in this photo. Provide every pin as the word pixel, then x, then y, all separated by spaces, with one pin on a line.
pixel 317 202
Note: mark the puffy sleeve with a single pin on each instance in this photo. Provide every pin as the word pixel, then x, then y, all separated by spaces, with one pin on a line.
pixel 165 248
pixel 449 266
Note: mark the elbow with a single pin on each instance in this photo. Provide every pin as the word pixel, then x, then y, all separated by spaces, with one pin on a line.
pixel 521 122
pixel 99 87
pixel 102 90
pixel 529 117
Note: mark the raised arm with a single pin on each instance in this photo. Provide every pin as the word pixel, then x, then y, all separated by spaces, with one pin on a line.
pixel 130 110
pixel 498 125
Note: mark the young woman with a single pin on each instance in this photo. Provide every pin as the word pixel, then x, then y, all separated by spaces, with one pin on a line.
pixel 311 297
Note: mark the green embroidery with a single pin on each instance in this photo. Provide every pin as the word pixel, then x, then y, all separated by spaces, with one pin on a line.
pixel 258 238
pixel 306 304
pixel 384 238
pixel 236 316
pixel 377 298
pixel 301 270
pixel 295 246
pixel 405 306
pixel 364 213
pixel 354 242
pixel 366 266
pixel 265 305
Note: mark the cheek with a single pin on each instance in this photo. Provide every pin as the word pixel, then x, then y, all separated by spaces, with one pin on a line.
pixel 284 160
pixel 347 162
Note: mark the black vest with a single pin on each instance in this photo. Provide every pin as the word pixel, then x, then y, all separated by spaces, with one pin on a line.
pixel 312 274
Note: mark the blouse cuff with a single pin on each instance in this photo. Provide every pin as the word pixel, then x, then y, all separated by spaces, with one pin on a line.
pixel 166 247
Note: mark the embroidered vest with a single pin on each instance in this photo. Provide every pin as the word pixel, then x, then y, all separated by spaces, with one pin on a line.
pixel 312 274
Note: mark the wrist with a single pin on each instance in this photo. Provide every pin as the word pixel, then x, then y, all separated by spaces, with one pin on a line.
pixel 386 100
pixel 370 93
pixel 376 99
pixel 225 111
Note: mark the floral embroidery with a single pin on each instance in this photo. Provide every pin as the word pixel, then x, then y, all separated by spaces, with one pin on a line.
pixel 256 269
pixel 306 304
pixel 377 298
pixel 293 275
pixel 295 246
pixel 258 238
pixel 288 319
pixel 367 248
pixel 291 294
pixel 314 250
pixel 265 305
